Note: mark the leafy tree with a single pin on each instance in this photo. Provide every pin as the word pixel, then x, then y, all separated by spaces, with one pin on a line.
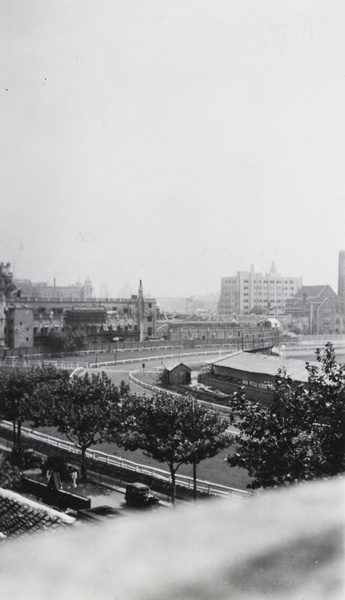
pixel 84 408
pixel 69 340
pixel 17 391
pixel 173 430
pixel 301 435
pixel 10 477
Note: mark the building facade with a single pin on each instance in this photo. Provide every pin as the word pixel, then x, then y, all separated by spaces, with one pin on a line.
pixel 126 318
pixel 6 290
pixel 29 290
pixel 29 312
pixel 341 282
pixel 19 327
pixel 249 291
pixel 319 304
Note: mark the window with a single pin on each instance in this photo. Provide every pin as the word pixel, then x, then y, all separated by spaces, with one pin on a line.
pixel 149 318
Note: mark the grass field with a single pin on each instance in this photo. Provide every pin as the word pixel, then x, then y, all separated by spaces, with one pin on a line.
pixel 213 470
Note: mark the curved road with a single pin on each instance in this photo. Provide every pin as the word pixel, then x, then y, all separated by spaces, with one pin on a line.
pixel 214 470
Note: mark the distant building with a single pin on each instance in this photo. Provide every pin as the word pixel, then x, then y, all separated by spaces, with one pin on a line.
pixel 320 304
pixel 201 304
pixel 249 291
pixel 29 290
pixel 341 282
pixel 31 311
pixel 6 289
pixel 20 327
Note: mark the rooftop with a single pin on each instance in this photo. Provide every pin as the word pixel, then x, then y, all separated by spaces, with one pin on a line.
pixel 21 516
pixel 265 364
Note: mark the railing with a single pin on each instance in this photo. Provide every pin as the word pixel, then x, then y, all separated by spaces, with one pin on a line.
pixel 155 388
pixel 16 362
pixel 181 480
pixel 160 357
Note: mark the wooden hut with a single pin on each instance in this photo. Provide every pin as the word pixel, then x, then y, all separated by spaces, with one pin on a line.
pixel 178 374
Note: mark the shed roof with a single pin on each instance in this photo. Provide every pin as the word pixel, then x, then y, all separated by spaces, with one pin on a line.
pixel 174 366
pixel 20 516
pixel 265 364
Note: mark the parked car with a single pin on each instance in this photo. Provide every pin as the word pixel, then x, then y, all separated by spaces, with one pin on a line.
pixel 139 494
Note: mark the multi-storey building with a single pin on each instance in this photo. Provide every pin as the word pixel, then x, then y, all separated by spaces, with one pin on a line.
pixel 19 327
pixel 28 312
pixel 249 291
pixel 126 318
pixel 30 290
pixel 6 289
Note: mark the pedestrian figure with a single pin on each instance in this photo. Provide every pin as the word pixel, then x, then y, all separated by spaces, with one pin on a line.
pixel 74 476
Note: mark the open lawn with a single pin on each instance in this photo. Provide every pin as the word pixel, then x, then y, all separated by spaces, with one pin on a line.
pixel 214 470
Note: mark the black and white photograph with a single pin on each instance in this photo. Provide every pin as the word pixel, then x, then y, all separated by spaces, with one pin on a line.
pixel 172 299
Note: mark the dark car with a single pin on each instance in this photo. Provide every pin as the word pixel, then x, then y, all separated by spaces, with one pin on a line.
pixel 139 494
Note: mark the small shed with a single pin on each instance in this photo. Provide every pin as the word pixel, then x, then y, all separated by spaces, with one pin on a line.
pixel 178 374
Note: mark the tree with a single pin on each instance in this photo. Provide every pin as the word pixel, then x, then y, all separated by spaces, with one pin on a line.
pixel 17 391
pixel 83 408
pixel 301 435
pixel 173 430
pixel 70 340
pixel 10 476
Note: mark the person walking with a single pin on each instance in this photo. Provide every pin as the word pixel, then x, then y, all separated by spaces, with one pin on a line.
pixel 74 476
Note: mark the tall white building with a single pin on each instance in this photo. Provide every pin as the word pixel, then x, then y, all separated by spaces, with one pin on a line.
pixel 248 290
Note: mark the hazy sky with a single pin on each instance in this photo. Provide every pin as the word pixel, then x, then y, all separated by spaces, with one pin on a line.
pixel 174 141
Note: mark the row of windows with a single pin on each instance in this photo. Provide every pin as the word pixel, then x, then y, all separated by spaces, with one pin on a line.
pixel 262 281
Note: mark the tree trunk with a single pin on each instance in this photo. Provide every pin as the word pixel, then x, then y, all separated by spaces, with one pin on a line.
pixel 19 431
pixel 173 485
pixel 83 462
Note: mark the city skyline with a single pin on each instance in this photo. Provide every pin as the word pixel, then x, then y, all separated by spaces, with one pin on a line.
pixel 176 143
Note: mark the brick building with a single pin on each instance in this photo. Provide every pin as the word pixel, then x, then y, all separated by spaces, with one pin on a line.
pixel 319 304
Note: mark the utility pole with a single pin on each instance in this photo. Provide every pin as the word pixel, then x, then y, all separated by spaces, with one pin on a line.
pixel 194 457
pixel 141 311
